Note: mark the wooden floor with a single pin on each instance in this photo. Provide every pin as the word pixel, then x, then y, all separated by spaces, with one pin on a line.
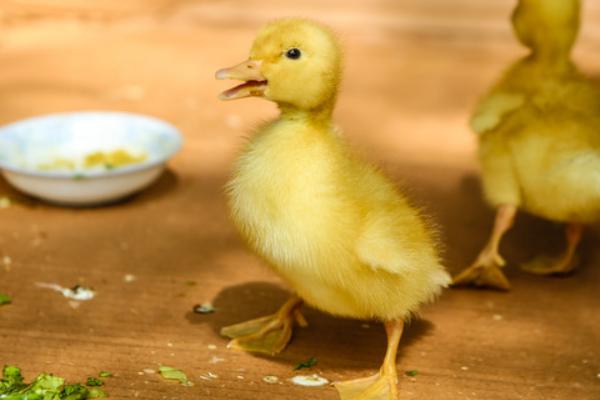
pixel 414 69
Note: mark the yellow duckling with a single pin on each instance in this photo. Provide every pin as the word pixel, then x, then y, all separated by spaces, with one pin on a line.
pixel 539 140
pixel 333 227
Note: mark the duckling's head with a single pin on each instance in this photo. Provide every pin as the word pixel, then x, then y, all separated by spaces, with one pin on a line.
pixel 547 27
pixel 293 62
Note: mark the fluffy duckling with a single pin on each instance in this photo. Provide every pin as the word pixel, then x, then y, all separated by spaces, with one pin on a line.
pixel 539 141
pixel 333 227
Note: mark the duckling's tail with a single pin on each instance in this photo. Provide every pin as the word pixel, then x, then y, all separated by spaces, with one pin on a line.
pixel 579 179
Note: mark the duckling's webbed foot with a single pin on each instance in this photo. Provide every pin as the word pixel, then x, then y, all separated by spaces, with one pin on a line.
pixel 483 275
pixel 377 387
pixel 384 385
pixel 268 335
pixel 486 270
pixel 563 264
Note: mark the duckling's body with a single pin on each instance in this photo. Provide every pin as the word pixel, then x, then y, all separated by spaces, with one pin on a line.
pixel 333 227
pixel 544 157
pixel 539 140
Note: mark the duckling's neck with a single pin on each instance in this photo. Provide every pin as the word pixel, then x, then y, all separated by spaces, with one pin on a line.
pixel 556 56
pixel 320 115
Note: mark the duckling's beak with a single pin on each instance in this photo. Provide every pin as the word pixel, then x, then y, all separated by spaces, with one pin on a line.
pixel 248 71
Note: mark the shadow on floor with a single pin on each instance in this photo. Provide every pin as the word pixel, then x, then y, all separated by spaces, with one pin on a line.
pixel 326 335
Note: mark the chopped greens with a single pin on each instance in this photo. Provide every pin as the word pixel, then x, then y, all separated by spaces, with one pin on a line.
pixel 44 387
pixel 412 372
pixel 11 380
pixel 174 374
pixel 5 299
pixel 105 374
pixel 311 362
pixel 96 393
pixel 91 381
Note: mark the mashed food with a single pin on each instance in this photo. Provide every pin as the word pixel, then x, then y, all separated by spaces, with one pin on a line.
pixel 99 159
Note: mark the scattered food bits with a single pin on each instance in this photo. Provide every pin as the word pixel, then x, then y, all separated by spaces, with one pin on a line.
pixel 105 374
pixel 240 377
pixel 464 368
pixel 45 386
pixel 311 362
pixel 497 317
pixel 365 326
pixel 411 373
pixel 148 371
pixel 77 292
pixel 216 360
pixel 91 381
pixel 174 374
pixel 6 260
pixel 309 380
pixel 212 347
pixel 5 299
pixel 270 379
pixel 129 278
pixel 209 376
pixel 5 202
pixel 204 308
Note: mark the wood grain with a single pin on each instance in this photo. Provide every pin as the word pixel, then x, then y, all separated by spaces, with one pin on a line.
pixel 414 69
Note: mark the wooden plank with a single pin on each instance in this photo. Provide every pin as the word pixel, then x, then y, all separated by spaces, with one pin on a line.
pixel 413 72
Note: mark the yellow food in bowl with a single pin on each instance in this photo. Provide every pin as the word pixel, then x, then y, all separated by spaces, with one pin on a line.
pixel 107 159
pixel 113 159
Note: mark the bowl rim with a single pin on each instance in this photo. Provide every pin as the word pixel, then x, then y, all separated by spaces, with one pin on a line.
pixel 128 169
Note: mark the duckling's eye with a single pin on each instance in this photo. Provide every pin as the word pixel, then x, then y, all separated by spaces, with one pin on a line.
pixel 293 54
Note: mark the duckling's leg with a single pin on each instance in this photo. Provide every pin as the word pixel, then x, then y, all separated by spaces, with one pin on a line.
pixel 269 335
pixel 563 264
pixel 383 385
pixel 485 271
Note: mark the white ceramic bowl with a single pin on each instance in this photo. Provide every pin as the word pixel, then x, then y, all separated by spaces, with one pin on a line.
pixel 28 144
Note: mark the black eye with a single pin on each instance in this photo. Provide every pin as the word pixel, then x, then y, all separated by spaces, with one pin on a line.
pixel 293 54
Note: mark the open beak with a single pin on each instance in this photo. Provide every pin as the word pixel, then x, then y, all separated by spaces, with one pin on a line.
pixel 249 72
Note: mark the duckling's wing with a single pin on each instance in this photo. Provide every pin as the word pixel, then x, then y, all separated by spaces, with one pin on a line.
pixel 396 243
pixel 491 111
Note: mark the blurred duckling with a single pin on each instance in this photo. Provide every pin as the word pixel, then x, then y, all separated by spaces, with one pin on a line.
pixel 333 227
pixel 539 141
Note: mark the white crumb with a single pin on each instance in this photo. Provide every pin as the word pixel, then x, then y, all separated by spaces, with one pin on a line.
pixel 270 379
pixel 79 293
pixel 309 380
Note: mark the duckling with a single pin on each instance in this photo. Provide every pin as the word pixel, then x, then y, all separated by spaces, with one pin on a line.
pixel 539 141
pixel 335 228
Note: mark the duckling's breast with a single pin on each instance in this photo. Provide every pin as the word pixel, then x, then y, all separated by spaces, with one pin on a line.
pixel 287 198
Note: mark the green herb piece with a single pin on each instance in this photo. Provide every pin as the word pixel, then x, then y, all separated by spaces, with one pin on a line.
pixel 78 177
pixel 91 381
pixel 96 393
pixel 74 392
pixel 311 362
pixel 190 283
pixel 412 372
pixel 5 299
pixel 174 374
pixel 12 380
pixel 105 374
